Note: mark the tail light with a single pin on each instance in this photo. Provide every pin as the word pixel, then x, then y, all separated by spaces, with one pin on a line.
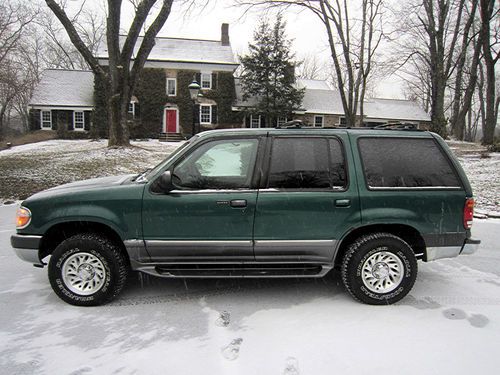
pixel 23 217
pixel 468 212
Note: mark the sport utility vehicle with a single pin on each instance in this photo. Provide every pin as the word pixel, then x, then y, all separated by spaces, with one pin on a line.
pixel 259 203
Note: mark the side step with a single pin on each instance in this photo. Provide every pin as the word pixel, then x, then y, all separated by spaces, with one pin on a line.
pixel 170 137
pixel 237 270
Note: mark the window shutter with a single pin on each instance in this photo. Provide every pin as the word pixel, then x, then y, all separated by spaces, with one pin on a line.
pixel 56 119
pixel 247 121
pixel 262 121
pixel 197 113
pixel 214 114
pixel 214 81
pixel 198 78
pixel 71 118
pixel 137 110
pixel 36 119
pixel 86 120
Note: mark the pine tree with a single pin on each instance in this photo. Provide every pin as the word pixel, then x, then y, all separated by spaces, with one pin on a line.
pixel 269 73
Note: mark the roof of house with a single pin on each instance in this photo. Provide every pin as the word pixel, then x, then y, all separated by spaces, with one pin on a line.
pixel 64 88
pixel 181 50
pixel 395 109
pixel 313 84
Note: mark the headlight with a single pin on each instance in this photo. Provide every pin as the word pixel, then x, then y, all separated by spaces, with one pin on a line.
pixel 23 217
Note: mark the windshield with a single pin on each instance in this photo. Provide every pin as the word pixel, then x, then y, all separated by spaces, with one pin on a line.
pixel 149 174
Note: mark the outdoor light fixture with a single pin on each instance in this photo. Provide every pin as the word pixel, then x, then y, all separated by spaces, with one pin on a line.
pixel 194 90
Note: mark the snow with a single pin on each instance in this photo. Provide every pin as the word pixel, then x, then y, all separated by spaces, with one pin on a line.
pixel 448 324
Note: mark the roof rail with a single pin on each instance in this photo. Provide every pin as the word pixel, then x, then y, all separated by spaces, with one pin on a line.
pixel 397 126
pixel 294 124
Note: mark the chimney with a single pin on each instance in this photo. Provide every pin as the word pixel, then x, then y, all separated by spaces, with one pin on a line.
pixel 224 34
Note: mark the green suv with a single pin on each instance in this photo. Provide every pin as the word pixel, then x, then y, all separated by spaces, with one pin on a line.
pixel 289 202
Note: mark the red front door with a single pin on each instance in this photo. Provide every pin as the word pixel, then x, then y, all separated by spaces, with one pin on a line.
pixel 171 120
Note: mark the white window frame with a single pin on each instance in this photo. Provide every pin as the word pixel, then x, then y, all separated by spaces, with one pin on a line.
pixel 209 80
pixel 322 121
pixel 174 80
pixel 252 118
pixel 42 121
pixel 340 121
pixel 209 106
pixel 281 121
pixel 81 122
pixel 132 112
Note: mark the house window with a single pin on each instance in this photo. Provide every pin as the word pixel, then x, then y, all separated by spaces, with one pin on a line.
pixel 46 117
pixel 255 121
pixel 78 121
pixel 206 80
pixel 319 121
pixel 205 114
pixel 282 121
pixel 131 108
pixel 342 121
pixel 171 86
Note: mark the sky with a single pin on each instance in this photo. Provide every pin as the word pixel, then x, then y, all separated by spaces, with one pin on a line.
pixel 204 22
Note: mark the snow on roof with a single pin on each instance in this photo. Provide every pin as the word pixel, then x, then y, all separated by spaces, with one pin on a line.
pixel 313 84
pixel 181 50
pixel 394 109
pixel 65 88
pixel 326 102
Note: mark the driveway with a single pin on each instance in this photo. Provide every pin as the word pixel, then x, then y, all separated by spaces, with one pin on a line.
pixel 448 324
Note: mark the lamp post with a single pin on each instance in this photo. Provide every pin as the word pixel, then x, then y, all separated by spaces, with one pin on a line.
pixel 194 89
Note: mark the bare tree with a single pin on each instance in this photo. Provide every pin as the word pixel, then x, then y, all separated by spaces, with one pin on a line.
pixel 121 76
pixel 353 41
pixel 489 11
pixel 311 67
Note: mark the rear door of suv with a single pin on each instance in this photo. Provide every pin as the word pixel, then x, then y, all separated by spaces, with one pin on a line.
pixel 409 179
pixel 307 199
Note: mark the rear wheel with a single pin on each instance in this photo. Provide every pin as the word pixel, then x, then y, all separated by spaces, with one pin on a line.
pixel 87 270
pixel 379 269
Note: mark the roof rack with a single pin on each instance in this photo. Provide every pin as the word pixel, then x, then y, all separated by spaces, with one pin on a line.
pixel 397 126
pixel 299 124
pixel 294 124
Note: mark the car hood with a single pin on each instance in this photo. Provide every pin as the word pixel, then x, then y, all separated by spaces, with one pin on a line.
pixel 82 186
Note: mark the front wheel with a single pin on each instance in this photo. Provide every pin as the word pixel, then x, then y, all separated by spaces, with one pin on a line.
pixel 379 269
pixel 87 270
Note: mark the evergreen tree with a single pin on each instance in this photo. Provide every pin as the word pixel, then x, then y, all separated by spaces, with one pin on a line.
pixel 269 73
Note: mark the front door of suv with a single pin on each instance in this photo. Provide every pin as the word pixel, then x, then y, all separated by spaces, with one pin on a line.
pixel 306 202
pixel 209 216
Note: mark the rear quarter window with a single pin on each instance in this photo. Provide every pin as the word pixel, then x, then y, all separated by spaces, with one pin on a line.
pixel 405 163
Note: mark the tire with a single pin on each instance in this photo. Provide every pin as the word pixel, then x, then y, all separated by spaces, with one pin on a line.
pixel 87 270
pixel 379 269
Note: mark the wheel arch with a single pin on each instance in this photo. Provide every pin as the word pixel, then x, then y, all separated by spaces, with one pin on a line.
pixel 406 232
pixel 61 231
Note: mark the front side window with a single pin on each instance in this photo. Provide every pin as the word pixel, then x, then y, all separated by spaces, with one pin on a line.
pixel 318 121
pixel 226 164
pixel 206 80
pixel 171 86
pixel 78 120
pixel 255 121
pixel 405 163
pixel 205 114
pixel 46 117
pixel 310 163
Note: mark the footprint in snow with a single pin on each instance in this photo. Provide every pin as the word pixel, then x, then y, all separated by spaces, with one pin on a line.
pixel 475 320
pixel 232 351
pixel 291 366
pixel 224 319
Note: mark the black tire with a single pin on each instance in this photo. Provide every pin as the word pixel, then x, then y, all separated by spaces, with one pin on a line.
pixel 354 269
pixel 110 267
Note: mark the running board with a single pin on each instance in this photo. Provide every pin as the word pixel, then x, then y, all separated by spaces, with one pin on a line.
pixel 236 270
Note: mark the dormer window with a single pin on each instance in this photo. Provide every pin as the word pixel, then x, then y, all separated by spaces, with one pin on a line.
pixel 206 80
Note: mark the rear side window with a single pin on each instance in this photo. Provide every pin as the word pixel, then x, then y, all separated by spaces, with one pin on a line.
pixel 405 162
pixel 307 163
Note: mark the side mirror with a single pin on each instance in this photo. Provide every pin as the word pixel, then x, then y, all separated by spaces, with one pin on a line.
pixel 163 184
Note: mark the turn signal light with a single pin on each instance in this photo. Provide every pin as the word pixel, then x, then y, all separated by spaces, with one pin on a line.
pixel 23 217
pixel 468 213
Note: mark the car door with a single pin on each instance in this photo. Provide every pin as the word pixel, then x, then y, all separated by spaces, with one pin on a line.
pixel 306 203
pixel 209 215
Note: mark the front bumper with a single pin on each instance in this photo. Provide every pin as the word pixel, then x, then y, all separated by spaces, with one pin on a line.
pixel 470 246
pixel 26 247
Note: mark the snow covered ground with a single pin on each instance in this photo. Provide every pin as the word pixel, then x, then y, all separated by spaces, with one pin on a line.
pixel 449 323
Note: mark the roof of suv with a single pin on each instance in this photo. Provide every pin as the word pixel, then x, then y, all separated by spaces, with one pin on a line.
pixel 317 131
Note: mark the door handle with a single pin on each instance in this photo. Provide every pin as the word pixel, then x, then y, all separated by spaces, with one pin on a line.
pixel 238 203
pixel 343 202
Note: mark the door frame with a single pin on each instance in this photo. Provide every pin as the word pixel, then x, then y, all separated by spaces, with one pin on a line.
pixel 170 108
